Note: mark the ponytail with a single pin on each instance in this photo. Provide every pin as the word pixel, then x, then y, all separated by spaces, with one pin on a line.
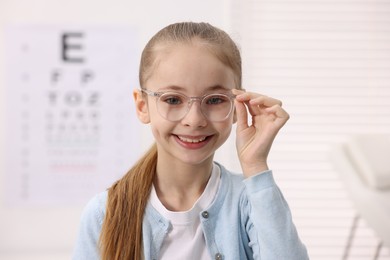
pixel 121 235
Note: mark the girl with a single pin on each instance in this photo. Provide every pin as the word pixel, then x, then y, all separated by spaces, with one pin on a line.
pixel 176 203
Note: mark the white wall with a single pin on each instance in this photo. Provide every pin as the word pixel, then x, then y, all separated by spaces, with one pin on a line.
pixel 49 233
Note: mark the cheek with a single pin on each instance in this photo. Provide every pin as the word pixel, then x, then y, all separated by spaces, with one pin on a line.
pixel 226 128
pixel 155 131
pixel 153 114
pixel 160 127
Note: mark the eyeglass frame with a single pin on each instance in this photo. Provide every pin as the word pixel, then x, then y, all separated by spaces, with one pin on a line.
pixel 158 94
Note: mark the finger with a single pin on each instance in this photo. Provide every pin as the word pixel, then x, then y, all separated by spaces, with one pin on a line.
pixel 257 99
pixel 238 91
pixel 265 101
pixel 245 98
pixel 242 115
pixel 281 115
pixel 278 110
pixel 254 109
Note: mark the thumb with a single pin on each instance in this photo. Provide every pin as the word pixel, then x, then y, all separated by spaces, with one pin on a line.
pixel 242 116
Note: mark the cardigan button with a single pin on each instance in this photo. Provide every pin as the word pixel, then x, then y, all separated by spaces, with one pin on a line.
pixel 205 214
pixel 218 256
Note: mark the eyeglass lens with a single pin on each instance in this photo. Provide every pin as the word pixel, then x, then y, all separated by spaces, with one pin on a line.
pixel 174 106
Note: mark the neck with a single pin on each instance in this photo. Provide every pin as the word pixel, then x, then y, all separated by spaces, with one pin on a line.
pixel 179 185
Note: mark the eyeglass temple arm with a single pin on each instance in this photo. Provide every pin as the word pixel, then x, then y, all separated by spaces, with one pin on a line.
pixel 150 93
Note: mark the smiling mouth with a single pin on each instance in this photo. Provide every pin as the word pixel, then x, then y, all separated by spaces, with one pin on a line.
pixel 192 139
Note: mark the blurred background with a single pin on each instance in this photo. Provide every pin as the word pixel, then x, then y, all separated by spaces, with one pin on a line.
pixel 68 129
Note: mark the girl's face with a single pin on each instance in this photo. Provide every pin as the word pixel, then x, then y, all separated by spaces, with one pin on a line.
pixel 194 71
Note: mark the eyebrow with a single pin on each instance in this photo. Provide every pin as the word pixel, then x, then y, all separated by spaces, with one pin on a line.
pixel 178 88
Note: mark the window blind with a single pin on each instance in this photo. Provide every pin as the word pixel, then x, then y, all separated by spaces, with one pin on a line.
pixel 329 62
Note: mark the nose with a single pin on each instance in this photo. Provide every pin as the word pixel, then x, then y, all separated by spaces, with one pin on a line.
pixel 194 116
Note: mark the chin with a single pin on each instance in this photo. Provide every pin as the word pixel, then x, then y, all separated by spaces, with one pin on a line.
pixel 194 160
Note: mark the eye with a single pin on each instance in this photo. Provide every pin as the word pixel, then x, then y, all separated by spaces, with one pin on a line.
pixel 172 99
pixel 216 99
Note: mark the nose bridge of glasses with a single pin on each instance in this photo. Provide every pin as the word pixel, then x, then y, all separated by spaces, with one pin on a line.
pixel 191 100
pixel 214 113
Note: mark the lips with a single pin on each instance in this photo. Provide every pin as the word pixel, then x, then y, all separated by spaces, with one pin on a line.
pixel 192 139
pixel 192 142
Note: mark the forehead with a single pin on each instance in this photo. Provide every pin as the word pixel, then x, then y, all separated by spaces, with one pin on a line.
pixel 189 66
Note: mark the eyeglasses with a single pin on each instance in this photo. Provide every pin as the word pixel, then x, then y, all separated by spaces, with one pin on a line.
pixel 174 106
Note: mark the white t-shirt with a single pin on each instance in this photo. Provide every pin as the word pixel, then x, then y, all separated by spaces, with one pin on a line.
pixel 185 239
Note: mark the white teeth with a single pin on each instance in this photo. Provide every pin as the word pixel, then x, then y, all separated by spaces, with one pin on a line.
pixel 188 140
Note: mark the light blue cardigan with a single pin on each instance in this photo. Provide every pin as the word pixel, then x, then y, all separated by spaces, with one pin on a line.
pixel 249 219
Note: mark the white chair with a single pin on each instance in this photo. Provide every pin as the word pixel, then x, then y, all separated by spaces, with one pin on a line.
pixel 364 166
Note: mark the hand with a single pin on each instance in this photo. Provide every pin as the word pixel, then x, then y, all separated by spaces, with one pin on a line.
pixel 254 141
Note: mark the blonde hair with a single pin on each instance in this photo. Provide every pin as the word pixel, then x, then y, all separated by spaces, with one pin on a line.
pixel 121 235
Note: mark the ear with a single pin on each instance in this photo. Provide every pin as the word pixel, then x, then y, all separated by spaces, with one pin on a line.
pixel 141 106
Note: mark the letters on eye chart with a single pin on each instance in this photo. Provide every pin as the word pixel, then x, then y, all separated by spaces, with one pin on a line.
pixel 69 116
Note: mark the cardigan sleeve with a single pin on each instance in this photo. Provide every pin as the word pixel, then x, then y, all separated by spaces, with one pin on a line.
pixel 86 247
pixel 270 228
